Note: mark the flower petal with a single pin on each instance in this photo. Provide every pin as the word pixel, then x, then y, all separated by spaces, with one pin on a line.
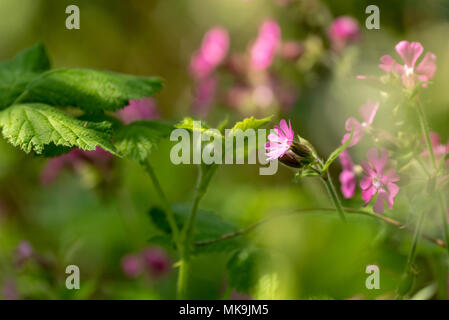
pixel 387 63
pixel 368 194
pixel 427 67
pixel 368 111
pixel 409 52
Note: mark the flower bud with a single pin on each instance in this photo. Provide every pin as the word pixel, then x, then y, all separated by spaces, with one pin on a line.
pixel 297 156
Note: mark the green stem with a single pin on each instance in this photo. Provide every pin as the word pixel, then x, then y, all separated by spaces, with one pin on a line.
pixel 168 209
pixel 334 196
pixel 443 211
pixel 408 273
pixel 186 240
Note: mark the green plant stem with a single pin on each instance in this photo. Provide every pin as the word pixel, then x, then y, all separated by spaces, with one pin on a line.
pixel 426 132
pixel 378 216
pixel 412 253
pixel 334 196
pixel 186 240
pixel 168 209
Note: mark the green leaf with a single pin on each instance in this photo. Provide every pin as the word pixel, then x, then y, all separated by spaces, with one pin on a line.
pixel 188 123
pixel 15 74
pixel 136 140
pixel 250 123
pixel 90 90
pixel 337 152
pixel 34 126
pixel 246 267
pixel 208 226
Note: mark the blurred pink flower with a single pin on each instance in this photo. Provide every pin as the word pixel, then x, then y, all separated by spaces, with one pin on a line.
pixel 347 176
pixel 132 265
pixel 213 50
pixel 344 30
pixel 368 112
pixel 264 48
pixel 157 261
pixel 23 253
pixel 205 90
pixel 291 50
pixel 139 109
pixel 439 149
pixel 409 72
pixel 377 181
pixel 280 141
pixel 74 160
pixel 9 290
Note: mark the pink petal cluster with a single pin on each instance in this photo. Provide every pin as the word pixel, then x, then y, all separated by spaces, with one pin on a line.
pixel 410 74
pixel 368 112
pixel 279 142
pixel 139 109
pixel 378 181
pixel 347 176
pixel 264 48
pixel 213 50
pixel 439 149
pixel 344 30
pixel 204 93
pixel 152 260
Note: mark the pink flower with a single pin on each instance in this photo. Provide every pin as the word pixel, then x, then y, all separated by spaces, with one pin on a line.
pixel 213 50
pixel 23 253
pixel 264 48
pixel 368 112
pixel 377 181
pixel 139 109
pixel 157 261
pixel 132 265
pixel 439 149
pixel 343 31
pixel 74 160
pixel 347 176
pixel 291 50
pixel 409 72
pixel 280 141
pixel 204 95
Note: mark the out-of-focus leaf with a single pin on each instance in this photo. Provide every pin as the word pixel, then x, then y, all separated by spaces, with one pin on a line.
pixel 15 74
pixel 136 140
pixel 249 123
pixel 426 293
pixel 90 90
pixel 34 126
pixel 209 226
pixel 202 127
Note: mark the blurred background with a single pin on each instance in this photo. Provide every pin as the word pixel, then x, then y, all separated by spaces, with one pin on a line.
pixel 95 214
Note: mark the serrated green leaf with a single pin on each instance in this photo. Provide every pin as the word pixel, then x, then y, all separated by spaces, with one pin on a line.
pixel 34 126
pixel 15 74
pixel 136 140
pixel 188 123
pixel 209 226
pixel 90 90
pixel 250 123
pixel 337 152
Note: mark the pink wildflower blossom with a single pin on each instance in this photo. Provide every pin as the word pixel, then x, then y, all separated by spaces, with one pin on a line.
pixel 368 112
pixel 139 109
pixel 343 31
pixel 378 181
pixel 280 141
pixel 264 48
pixel 157 261
pixel 409 72
pixel 212 52
pixel 347 176
pixel 132 265
pixel 204 94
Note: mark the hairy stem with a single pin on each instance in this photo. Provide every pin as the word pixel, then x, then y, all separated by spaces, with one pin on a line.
pixel 381 217
pixel 408 273
pixel 168 209
pixel 334 196
pixel 186 240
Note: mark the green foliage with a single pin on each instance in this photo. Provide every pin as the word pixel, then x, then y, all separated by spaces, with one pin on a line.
pixel 136 140
pixel 246 268
pixel 15 74
pixel 34 126
pixel 209 226
pixel 250 123
pixel 187 123
pixel 90 90
pixel 336 153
